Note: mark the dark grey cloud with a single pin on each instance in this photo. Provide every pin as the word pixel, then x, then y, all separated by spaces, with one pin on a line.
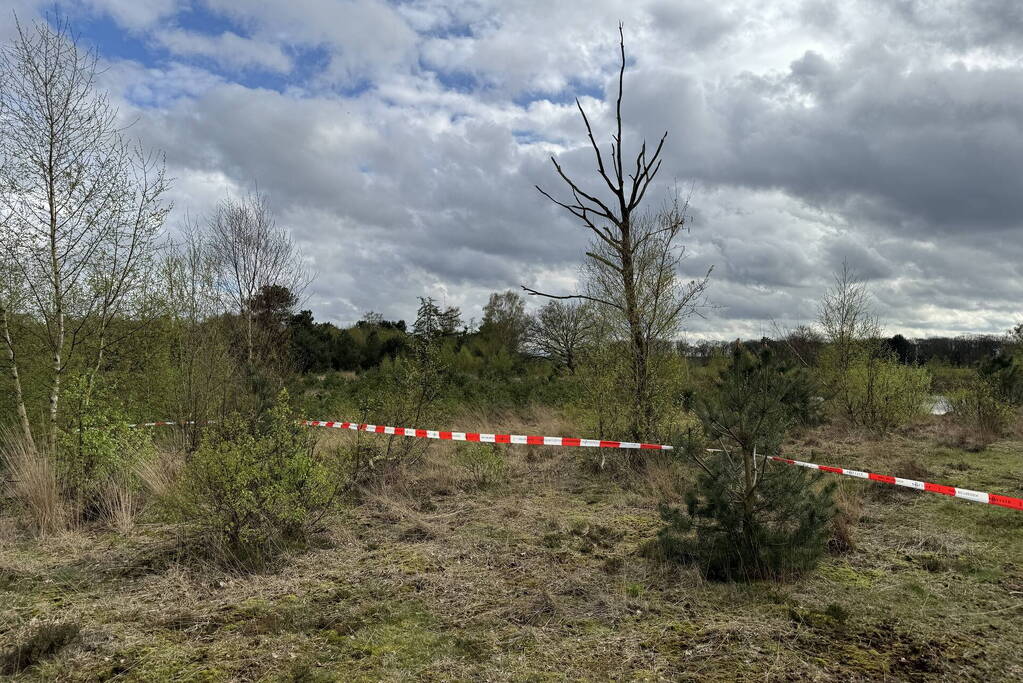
pixel 961 26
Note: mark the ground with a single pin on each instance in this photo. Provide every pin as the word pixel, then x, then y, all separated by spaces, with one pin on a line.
pixel 535 571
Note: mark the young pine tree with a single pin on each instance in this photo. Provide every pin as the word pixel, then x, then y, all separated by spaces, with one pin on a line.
pixel 746 518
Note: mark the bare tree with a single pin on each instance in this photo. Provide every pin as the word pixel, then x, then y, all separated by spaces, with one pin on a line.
pixel 123 272
pixel 845 316
pixel 560 330
pixel 853 334
pixel 205 366
pixel 81 210
pixel 253 253
pixel 632 262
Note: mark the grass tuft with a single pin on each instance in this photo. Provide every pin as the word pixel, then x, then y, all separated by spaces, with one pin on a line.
pixel 34 484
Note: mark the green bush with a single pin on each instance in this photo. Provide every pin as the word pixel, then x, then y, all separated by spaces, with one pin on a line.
pixel 747 518
pixel 876 391
pixel 482 463
pixel 607 382
pixel 97 447
pixel 254 488
pixel 980 413
pixel 783 532
pixel 888 394
pixel 1005 374
pixel 403 392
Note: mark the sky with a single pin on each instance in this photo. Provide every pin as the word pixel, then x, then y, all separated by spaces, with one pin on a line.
pixel 400 142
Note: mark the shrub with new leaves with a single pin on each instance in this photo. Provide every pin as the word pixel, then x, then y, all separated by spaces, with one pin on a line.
pixel 747 518
pixel 883 394
pixel 98 447
pixel 980 414
pixel 252 489
pixel 482 464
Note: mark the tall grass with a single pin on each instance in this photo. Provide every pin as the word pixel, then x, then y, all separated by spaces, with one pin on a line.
pixel 160 474
pixel 33 482
pixel 121 504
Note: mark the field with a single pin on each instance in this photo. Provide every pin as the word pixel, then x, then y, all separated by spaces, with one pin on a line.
pixel 534 565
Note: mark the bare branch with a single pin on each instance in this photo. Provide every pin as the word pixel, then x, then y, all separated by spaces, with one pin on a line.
pixel 630 267
pixel 533 292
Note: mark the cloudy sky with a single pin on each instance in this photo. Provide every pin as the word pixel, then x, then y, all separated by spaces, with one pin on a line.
pixel 400 141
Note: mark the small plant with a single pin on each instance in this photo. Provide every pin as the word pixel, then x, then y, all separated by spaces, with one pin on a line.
pixel 252 489
pixel 483 464
pixel 98 449
pixel 779 530
pixel 980 415
pixel 747 519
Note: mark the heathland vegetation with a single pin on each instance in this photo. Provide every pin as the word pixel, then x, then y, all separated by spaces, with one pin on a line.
pixel 238 544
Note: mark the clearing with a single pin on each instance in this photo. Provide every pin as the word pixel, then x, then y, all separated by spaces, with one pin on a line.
pixel 535 570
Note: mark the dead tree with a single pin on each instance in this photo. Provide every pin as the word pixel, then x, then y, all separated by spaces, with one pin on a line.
pixel 632 259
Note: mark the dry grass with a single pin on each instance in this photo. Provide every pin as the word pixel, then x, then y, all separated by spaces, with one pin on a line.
pixel 33 482
pixel 965 436
pixel 849 510
pixel 160 474
pixel 663 479
pixel 8 531
pixel 36 642
pixel 543 577
pixel 121 504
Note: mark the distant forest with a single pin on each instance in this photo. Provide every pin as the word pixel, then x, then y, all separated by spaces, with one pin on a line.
pixel 317 347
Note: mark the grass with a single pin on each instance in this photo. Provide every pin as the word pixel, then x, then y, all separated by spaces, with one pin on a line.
pixel 33 483
pixel 540 575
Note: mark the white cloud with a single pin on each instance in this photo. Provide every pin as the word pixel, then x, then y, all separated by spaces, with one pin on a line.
pixel 227 49
pixel 365 38
pixel 136 15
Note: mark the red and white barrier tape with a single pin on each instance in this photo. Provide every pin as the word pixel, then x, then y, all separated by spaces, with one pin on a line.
pixel 967 494
pixel 485 438
pixel 162 423
pixel 975 496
